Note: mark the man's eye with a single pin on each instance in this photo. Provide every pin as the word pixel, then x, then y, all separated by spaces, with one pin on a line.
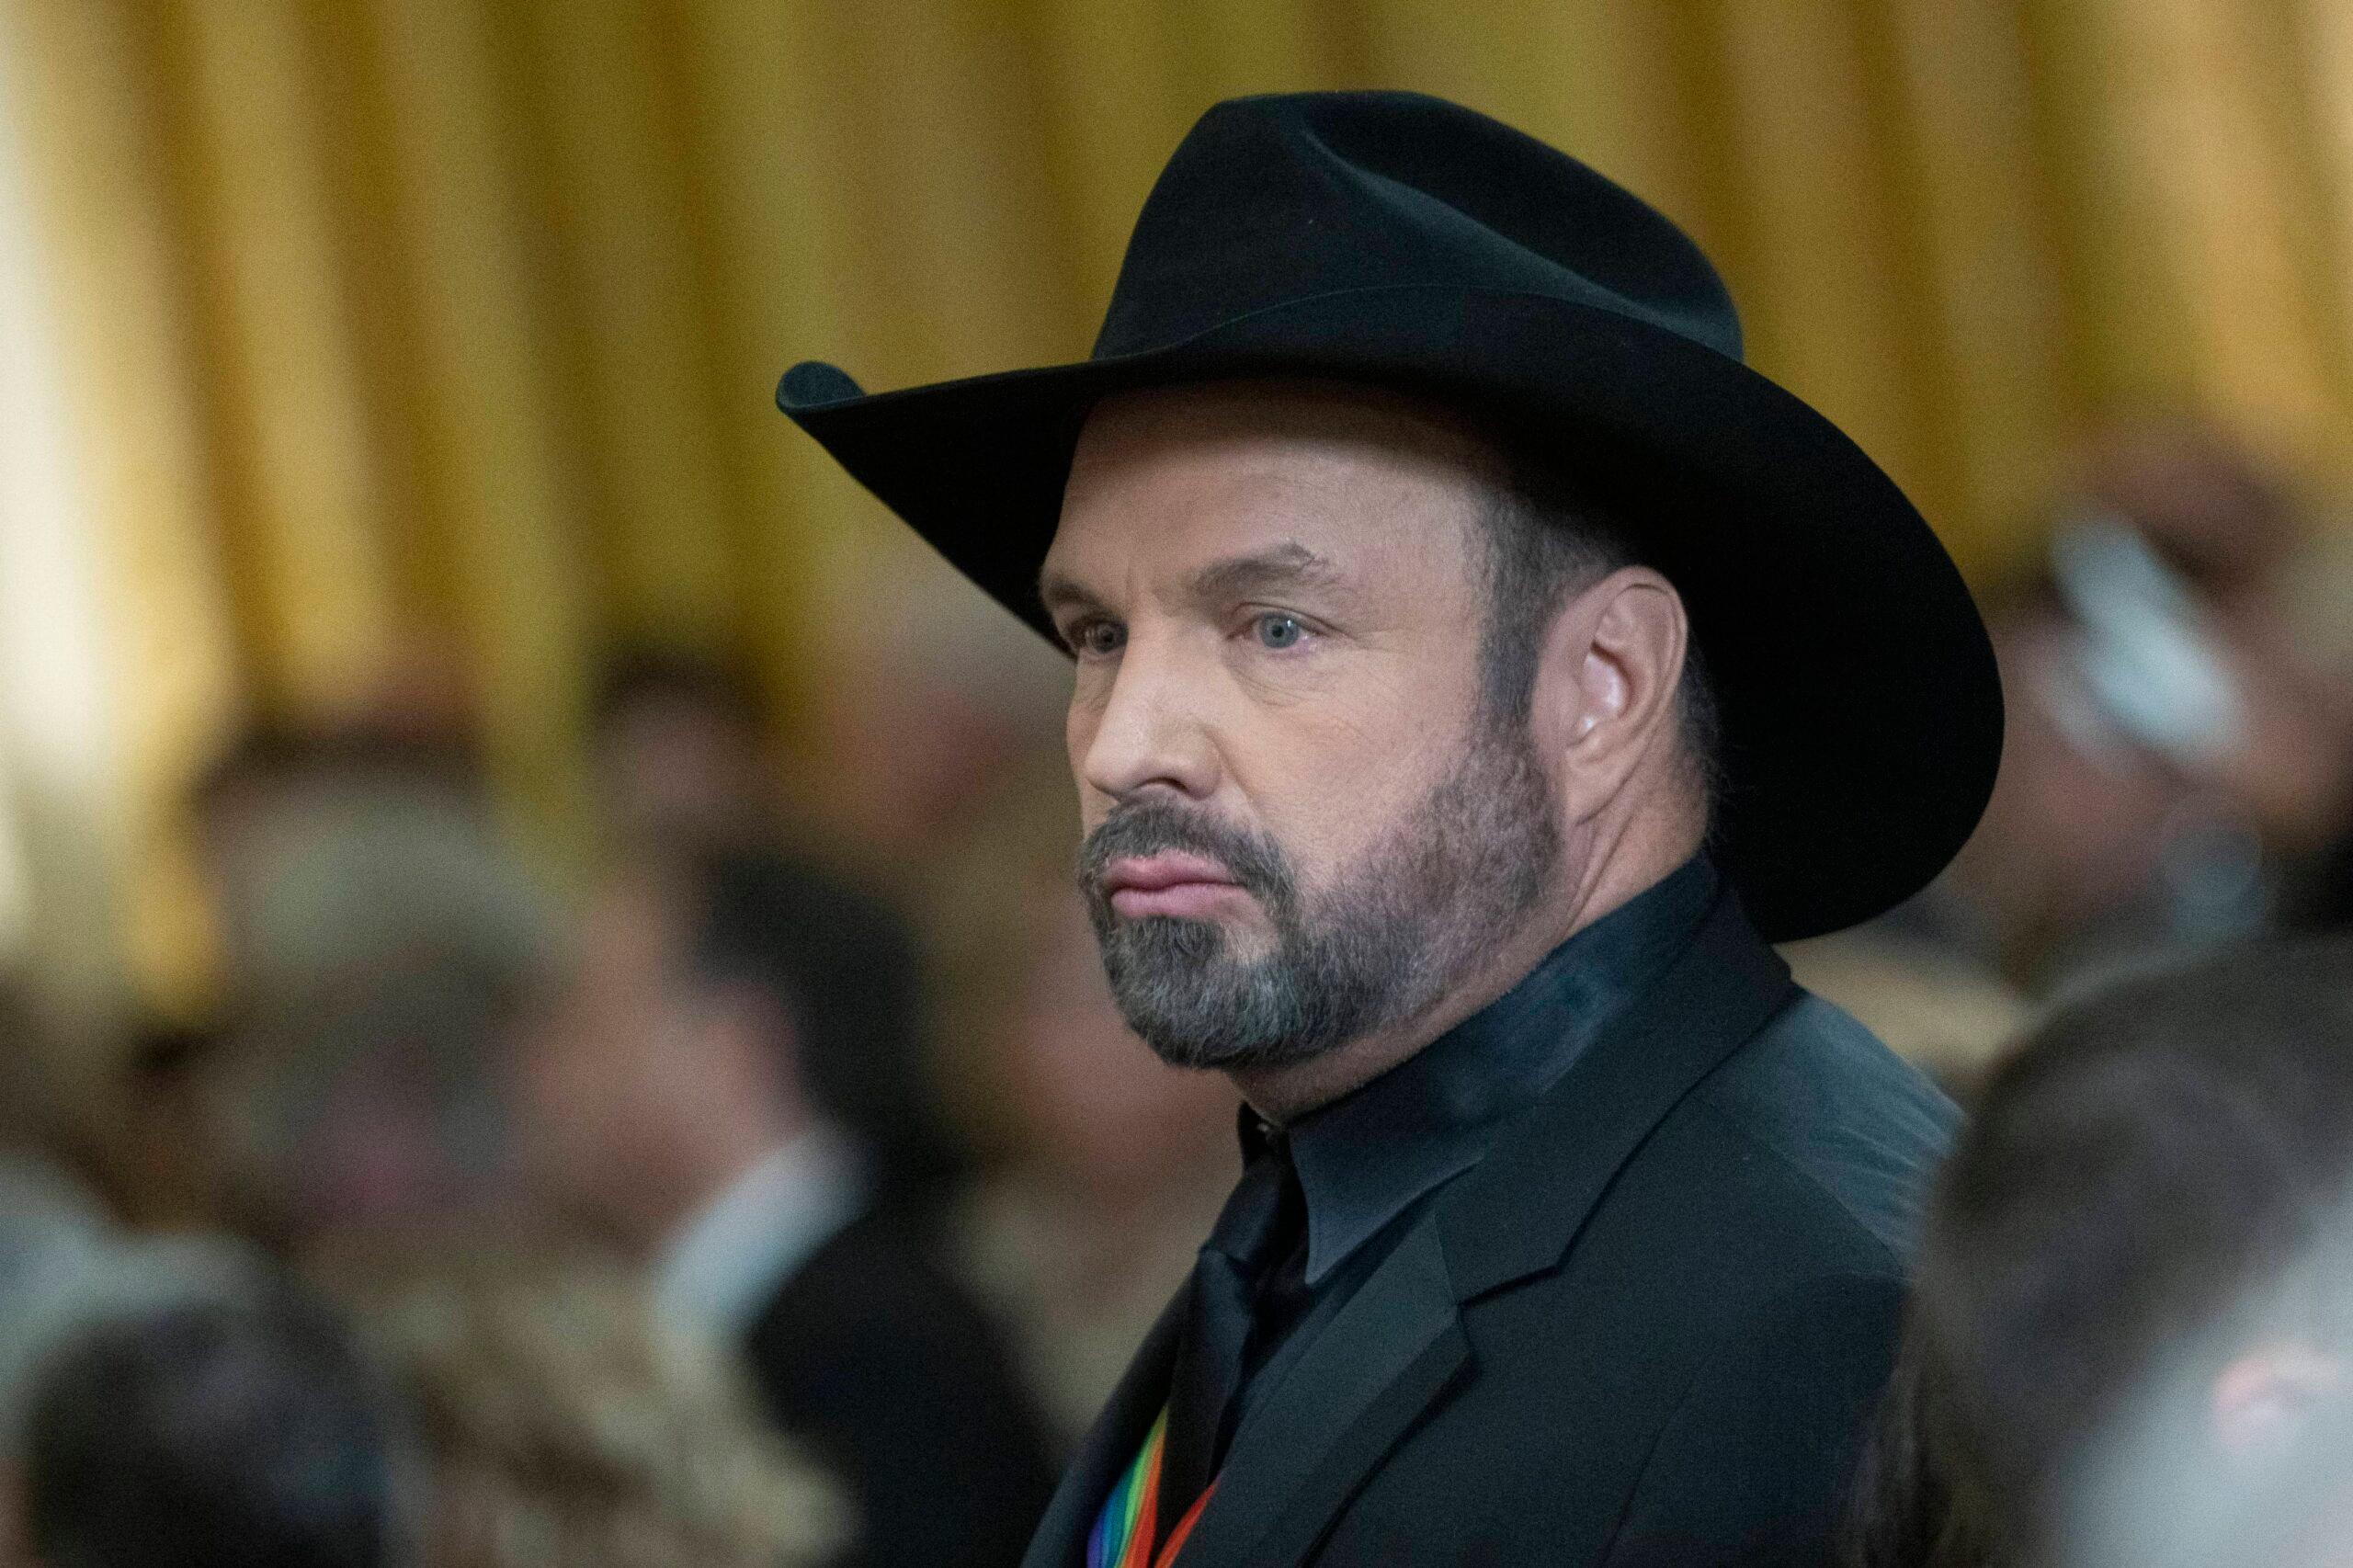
pixel 1097 639
pixel 1277 631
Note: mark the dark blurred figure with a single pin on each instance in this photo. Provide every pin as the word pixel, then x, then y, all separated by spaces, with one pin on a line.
pixel 2323 899
pixel 2135 1303
pixel 729 1086
pixel 678 750
pixel 224 1434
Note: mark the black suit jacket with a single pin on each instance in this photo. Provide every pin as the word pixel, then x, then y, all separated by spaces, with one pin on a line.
pixel 873 1355
pixel 1646 1329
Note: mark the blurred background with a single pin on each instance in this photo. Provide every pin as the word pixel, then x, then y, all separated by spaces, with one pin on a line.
pixel 417 627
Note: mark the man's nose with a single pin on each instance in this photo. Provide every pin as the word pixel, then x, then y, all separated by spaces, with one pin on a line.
pixel 1148 734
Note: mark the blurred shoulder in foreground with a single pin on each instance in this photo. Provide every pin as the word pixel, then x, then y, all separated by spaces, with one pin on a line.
pixel 2133 1326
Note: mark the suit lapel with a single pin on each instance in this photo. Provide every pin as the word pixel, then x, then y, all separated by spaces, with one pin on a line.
pixel 1109 1448
pixel 1374 1369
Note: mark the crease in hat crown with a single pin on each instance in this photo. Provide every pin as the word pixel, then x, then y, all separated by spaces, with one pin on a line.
pixel 1304 194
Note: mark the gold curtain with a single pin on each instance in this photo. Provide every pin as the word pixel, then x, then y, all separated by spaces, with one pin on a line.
pixel 448 327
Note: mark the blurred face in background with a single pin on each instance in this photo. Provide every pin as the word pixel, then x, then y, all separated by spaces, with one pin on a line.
pixel 1301 830
pixel 642 1090
pixel 680 767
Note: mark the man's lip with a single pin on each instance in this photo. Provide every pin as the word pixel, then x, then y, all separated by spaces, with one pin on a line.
pixel 1152 873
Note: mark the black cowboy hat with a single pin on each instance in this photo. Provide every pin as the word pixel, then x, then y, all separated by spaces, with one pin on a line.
pixel 1406 241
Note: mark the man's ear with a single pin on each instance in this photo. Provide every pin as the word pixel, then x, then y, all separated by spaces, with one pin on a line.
pixel 1606 688
pixel 2263 1398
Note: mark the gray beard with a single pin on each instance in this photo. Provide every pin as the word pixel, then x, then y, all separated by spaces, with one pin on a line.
pixel 1391 938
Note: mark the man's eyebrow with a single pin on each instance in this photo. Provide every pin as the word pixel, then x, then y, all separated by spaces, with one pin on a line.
pixel 1290 565
pixel 1057 592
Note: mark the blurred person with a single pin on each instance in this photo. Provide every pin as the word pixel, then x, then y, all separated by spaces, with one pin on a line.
pixel 2203 500
pixel 1570 1231
pixel 368 1099
pixel 2319 892
pixel 723 1088
pixel 330 851
pixel 241 1431
pixel 117 1114
pixel 2177 760
pixel 51 1229
pixel 57 1134
pixel 559 1419
pixel 36 1153
pixel 2135 1295
pixel 148 1115
pixel 678 750
pixel 925 708
pixel 57 1225
pixel 71 1270
pixel 65 1263
pixel 1111 1163
pixel 2171 750
pixel 55 1237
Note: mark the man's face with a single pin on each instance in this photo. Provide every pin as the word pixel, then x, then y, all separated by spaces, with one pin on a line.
pixel 604 1080
pixel 1301 829
pixel 674 766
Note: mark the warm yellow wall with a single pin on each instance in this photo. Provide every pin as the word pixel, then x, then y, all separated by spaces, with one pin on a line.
pixel 452 324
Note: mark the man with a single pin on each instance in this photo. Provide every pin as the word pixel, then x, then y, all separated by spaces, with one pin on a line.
pixel 1413 474
pixel 701 1093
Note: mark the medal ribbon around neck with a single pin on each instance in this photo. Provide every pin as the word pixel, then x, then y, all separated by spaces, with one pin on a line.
pixel 1123 1531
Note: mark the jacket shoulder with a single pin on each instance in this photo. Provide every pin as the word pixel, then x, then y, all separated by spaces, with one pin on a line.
pixel 1836 1114
pixel 1750 1466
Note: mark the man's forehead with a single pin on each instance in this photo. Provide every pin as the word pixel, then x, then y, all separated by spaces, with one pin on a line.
pixel 1217 463
pixel 1274 415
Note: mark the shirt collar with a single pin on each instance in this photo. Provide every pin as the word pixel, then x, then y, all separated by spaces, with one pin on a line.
pixel 727 1262
pixel 1366 1157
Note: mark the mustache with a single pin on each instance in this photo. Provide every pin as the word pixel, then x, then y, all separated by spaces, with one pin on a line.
pixel 1150 827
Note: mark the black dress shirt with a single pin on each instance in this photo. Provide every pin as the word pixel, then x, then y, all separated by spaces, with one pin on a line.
pixel 1372 1161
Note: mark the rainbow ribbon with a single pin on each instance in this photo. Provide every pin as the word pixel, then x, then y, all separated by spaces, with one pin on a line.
pixel 1123 1530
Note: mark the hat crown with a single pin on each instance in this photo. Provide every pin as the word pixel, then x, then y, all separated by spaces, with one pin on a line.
pixel 1276 199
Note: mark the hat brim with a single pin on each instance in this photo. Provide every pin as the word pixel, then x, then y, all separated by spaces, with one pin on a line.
pixel 1861 713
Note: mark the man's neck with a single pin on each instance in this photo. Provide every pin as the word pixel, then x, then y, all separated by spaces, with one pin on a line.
pixel 1284 1093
